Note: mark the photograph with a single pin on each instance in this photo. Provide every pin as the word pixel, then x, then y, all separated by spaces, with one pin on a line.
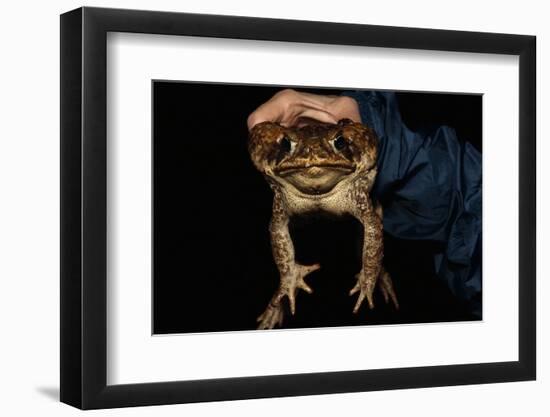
pixel 264 206
pixel 293 207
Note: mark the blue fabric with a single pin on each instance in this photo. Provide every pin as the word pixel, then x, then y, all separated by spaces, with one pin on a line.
pixel 429 185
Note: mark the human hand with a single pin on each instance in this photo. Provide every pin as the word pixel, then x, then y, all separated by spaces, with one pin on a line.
pixel 294 108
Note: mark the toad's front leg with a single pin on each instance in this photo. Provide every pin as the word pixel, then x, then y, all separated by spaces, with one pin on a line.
pixel 372 272
pixel 291 273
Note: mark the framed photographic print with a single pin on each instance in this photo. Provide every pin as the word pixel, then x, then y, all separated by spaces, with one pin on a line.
pixel 257 207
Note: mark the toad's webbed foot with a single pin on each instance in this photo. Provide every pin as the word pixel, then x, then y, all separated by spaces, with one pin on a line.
pixel 365 286
pixel 289 286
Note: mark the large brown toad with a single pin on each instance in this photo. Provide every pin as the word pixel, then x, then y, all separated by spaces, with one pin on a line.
pixel 320 167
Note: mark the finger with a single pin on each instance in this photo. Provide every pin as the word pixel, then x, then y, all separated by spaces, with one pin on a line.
pixel 302 284
pixel 256 117
pixel 277 299
pixel 388 288
pixel 359 302
pixel 354 289
pixel 287 106
pixel 370 299
pixel 264 113
pixel 252 121
pixel 320 115
pixel 394 299
pixel 385 294
pixel 292 300
pixel 308 269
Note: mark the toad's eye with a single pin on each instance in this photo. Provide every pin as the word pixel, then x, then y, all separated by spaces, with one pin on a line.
pixel 339 143
pixel 287 146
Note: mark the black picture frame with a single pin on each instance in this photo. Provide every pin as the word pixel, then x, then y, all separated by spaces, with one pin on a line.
pixel 83 207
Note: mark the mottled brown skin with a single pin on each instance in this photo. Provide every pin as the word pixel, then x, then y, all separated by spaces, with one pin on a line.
pixel 320 167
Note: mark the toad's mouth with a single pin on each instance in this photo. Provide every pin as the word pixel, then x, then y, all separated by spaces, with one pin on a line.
pixel 316 179
pixel 317 170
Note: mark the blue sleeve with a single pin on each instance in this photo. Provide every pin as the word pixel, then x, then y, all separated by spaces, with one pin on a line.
pixel 429 185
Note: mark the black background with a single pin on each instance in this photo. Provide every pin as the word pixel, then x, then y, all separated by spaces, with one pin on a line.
pixel 212 263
